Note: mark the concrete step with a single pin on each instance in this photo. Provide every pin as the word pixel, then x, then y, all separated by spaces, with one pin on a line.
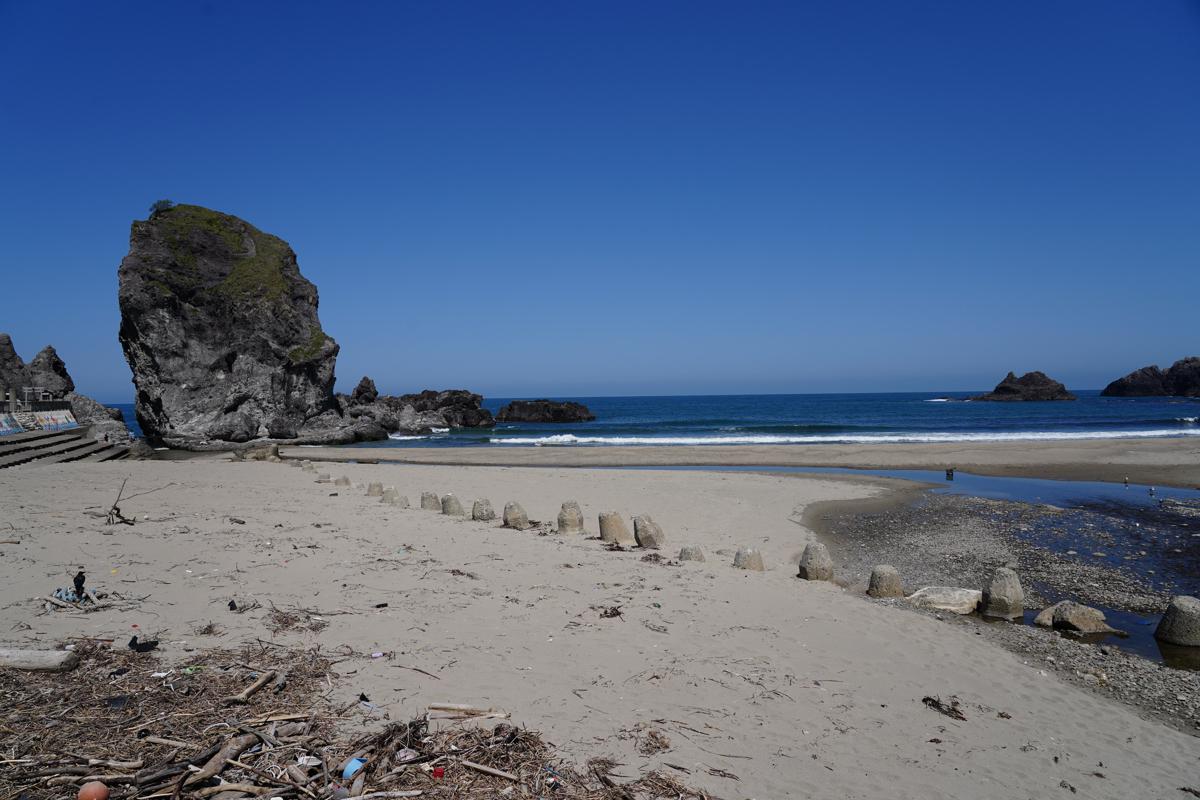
pixel 89 448
pixel 111 452
pixel 52 450
pixel 16 442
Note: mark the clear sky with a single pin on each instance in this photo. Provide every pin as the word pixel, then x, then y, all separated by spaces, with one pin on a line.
pixel 588 198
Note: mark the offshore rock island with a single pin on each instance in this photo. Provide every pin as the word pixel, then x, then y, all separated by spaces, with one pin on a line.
pixel 221 333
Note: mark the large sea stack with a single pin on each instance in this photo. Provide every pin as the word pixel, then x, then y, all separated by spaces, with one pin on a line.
pixel 1181 380
pixel 221 331
pixel 1030 386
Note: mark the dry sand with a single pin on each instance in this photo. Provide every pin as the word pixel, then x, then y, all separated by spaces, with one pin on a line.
pixel 1162 462
pixel 798 689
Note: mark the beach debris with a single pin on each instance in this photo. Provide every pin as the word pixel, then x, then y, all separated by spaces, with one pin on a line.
pixel 291 745
pixel 38 660
pixel 947 598
pixel 343 480
pixel 482 511
pixel 375 489
pixel 614 531
pixel 647 533
pixel 1004 598
pixel 609 612
pixel 885 582
pixel 451 507
pixel 951 709
pixel 515 516
pixel 692 552
pixel 1180 625
pixel 816 563
pixel 93 790
pixel 1075 617
pixel 748 558
pixel 570 518
pixel 142 647
pixel 653 742
pixel 431 502
pixel 114 513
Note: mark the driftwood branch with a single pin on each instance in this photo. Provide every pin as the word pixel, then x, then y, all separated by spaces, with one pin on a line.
pixel 244 696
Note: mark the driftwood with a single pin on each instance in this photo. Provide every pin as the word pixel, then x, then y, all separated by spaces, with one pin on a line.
pixel 39 660
pixel 114 514
pixel 499 773
pixel 231 749
pixel 244 696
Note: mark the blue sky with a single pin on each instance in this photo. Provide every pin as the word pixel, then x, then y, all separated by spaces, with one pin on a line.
pixel 630 198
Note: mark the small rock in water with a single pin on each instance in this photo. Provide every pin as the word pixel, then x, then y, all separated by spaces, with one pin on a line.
pixel 482 511
pixel 692 552
pixel 451 507
pixel 515 516
pixel 570 518
pixel 614 531
pixel 749 558
pixel 375 489
pixel 647 533
pixel 885 582
pixel 1004 599
pixel 430 501
pixel 1071 616
pixel 1180 624
pixel 815 563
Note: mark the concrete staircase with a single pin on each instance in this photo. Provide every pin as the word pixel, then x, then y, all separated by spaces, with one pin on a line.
pixel 55 447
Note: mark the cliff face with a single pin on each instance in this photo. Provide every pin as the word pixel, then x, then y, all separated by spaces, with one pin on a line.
pixel 1030 386
pixel 221 332
pixel 1181 380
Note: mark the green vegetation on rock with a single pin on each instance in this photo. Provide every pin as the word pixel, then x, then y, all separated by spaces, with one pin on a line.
pixel 257 271
pixel 309 350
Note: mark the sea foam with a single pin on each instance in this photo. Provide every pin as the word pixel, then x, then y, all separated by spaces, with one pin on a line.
pixel 570 439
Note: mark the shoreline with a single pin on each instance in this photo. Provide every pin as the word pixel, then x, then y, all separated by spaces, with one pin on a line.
pixel 1158 462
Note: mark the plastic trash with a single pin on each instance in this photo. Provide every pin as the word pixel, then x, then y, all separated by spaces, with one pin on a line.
pixel 353 767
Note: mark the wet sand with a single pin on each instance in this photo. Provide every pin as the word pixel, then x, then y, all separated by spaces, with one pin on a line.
pixel 1162 462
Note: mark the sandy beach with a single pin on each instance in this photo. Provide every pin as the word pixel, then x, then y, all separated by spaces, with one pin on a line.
pixel 766 686
pixel 1165 462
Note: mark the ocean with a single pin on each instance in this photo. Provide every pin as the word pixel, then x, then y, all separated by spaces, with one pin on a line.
pixel 799 419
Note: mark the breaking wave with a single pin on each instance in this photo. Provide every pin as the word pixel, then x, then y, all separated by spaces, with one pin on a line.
pixel 570 439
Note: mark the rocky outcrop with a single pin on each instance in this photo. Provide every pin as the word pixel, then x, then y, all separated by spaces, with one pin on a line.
pixel 221 332
pixel 1181 380
pixel 49 372
pixel 1036 386
pixel 105 421
pixel 555 411
pixel 13 373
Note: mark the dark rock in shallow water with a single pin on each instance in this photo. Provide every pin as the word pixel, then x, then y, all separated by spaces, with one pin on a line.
pixel 1144 382
pixel 1181 380
pixel 221 332
pixel 545 411
pixel 1030 386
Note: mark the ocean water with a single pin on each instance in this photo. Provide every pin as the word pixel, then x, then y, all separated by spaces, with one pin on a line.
pixel 830 418
pixel 800 419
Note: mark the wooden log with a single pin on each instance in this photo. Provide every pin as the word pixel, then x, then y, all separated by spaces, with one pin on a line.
pixel 38 660
pixel 231 749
